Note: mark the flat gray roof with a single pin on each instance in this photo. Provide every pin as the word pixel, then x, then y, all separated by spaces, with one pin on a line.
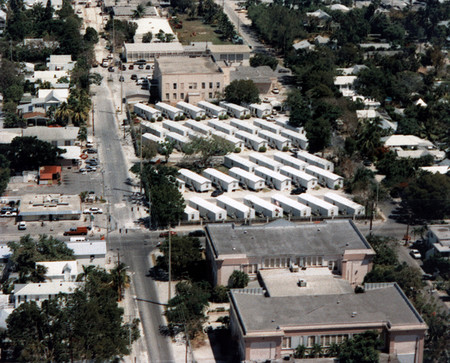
pixel 442 231
pixel 388 304
pixel 187 65
pixel 285 238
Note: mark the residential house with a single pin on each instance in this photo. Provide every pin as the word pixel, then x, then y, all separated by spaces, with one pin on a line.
pixel 60 63
pixel 45 99
pixel 57 136
pixel 264 78
pixel 49 174
pixel 88 253
pixel 60 270
pixel 39 292
pixel 410 146
pixel 438 239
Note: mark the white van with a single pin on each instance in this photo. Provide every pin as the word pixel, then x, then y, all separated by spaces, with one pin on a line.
pixel 22 226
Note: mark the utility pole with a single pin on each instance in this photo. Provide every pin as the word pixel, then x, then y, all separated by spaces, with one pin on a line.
pixel 118 264
pixel 140 158
pixel 170 262
pixel 93 127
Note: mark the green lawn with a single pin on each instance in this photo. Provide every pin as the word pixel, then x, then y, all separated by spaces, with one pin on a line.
pixel 196 31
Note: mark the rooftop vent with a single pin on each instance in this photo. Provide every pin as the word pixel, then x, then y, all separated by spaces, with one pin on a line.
pixel 354 314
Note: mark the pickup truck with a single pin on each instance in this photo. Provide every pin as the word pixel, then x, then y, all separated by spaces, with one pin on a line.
pixel 76 231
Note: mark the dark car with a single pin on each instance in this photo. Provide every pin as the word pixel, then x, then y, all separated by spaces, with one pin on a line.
pixel 216 193
pixel 131 66
pixel 141 66
pixel 111 69
pixel 92 151
pixel 123 68
pixel 298 191
pixel 197 233
pixel 92 163
pixel 121 79
pixel 134 76
pixel 148 66
pixel 166 234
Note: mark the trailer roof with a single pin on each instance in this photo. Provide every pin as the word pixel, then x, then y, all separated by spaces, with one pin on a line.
pixel 218 174
pixel 323 172
pixel 314 200
pixel 207 205
pixel 194 176
pixel 245 174
pixel 233 203
pixel 272 174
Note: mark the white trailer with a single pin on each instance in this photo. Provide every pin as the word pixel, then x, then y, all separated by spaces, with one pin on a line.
pixel 207 209
pixel 233 160
pixel 198 182
pixel 169 111
pixel 284 123
pixel 325 177
pixel 234 140
pixel 272 178
pixel 190 214
pixel 289 160
pixel 146 112
pixel 266 125
pixel 194 112
pixel 276 141
pixel 148 138
pixel 222 180
pixel 265 161
pixel 178 140
pixel 291 206
pixel 244 126
pixel 181 184
pixel 264 207
pixel 315 160
pixel 248 179
pixel 234 208
pixel 154 129
pixel 235 110
pixel 346 206
pixel 212 109
pixel 199 127
pixel 176 127
pixel 251 141
pixel 222 126
pixel 318 205
pixel 299 177
pixel 296 138
pixel 260 110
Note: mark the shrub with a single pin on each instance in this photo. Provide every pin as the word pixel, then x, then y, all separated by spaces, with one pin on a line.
pixel 160 118
pixel 219 294
pixel 286 148
pixel 247 116
pixel 152 119
pixel 182 117
pixel 242 117
pixel 238 280
pixel 197 118
pixel 221 117
pixel 237 150
pixel 177 118
pixel 204 117
pixel 336 187
pixel 262 149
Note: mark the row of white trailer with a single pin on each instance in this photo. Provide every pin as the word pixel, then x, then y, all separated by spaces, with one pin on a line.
pixel 304 206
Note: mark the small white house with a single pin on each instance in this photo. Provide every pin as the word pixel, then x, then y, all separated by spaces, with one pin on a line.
pixel 207 209
pixel 266 125
pixel 346 206
pixel 176 127
pixel 315 160
pixel 146 112
pixel 199 127
pixel 222 180
pixel 272 178
pixel 264 207
pixel 299 177
pixel 260 110
pixel 39 292
pixel 233 160
pixel 154 129
pixel 190 214
pixel 194 112
pixel 222 126
pixel 148 138
pixel 198 182
pixel 251 141
pixel 234 140
pixel 265 161
pixel 247 179
pixel 169 111
pixel 181 184
pixel 244 126
pixel 88 253
pixel 291 206
pixel 325 177
pixel 60 270
pixel 289 160
pixel 178 140
pixel 235 110
pixel 297 138
pixel 276 141
pixel 234 208
pixel 318 205
pixel 284 123
pixel 212 109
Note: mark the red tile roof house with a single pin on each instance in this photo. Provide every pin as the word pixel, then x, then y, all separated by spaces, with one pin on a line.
pixel 50 174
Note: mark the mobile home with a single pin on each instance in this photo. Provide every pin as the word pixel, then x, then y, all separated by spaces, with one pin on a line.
pixel 148 138
pixel 251 141
pixel 248 179
pixel 266 125
pixel 233 160
pixel 264 207
pixel 291 206
pixel 272 178
pixel 265 161
pixel 198 127
pixel 190 214
pixel 176 127
pixel 296 138
pixel 198 182
pixel 315 160
pixel 146 112
pixel 178 140
pixel 181 184
pixel 235 110
pixel 244 126
pixel 346 206
pixel 222 180
pixel 169 111
pixel 222 126
pixel 194 112
pixel 207 209
pixel 284 123
pixel 289 160
pixel 260 110
pixel 318 205
pixel 325 177
pixel 299 177
pixel 234 208
pixel 154 129
pixel 276 141
pixel 234 140
pixel 212 109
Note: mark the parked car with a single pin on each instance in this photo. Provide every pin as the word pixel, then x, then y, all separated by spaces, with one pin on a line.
pixel 166 234
pixel 121 79
pixel 141 66
pixel 92 163
pixel 275 91
pixel 131 66
pixel 148 66
pixel 92 151
pixel 91 168
pixel 93 210
pixel 216 193
pixel 110 69
pixel 298 191
pixel 22 226
pixel 82 170
pixel 123 68
pixel 134 76
pixel 415 254
pixel 197 233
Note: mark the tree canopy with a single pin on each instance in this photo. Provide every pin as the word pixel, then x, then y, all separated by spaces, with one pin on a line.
pixel 362 348
pixel 204 149
pixel 242 91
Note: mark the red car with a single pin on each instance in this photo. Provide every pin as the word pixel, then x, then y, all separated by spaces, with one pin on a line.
pixel 166 234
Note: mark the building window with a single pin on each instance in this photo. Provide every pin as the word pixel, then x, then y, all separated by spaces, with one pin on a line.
pixel 182 95
pixel 67 143
pixel 218 85
pixel 311 341
pixel 92 258
pixel 286 343
pixel 210 95
pixel 174 86
pixel 181 85
pixel 203 85
pixel 167 96
pixel 210 85
pixel 327 340
pixel 174 96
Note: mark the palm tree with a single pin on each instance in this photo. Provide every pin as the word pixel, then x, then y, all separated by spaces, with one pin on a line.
pixel 38 274
pixel 63 113
pixel 120 279
pixel 139 11
pixel 300 351
pixel 87 270
pixel 316 351
pixel 333 350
